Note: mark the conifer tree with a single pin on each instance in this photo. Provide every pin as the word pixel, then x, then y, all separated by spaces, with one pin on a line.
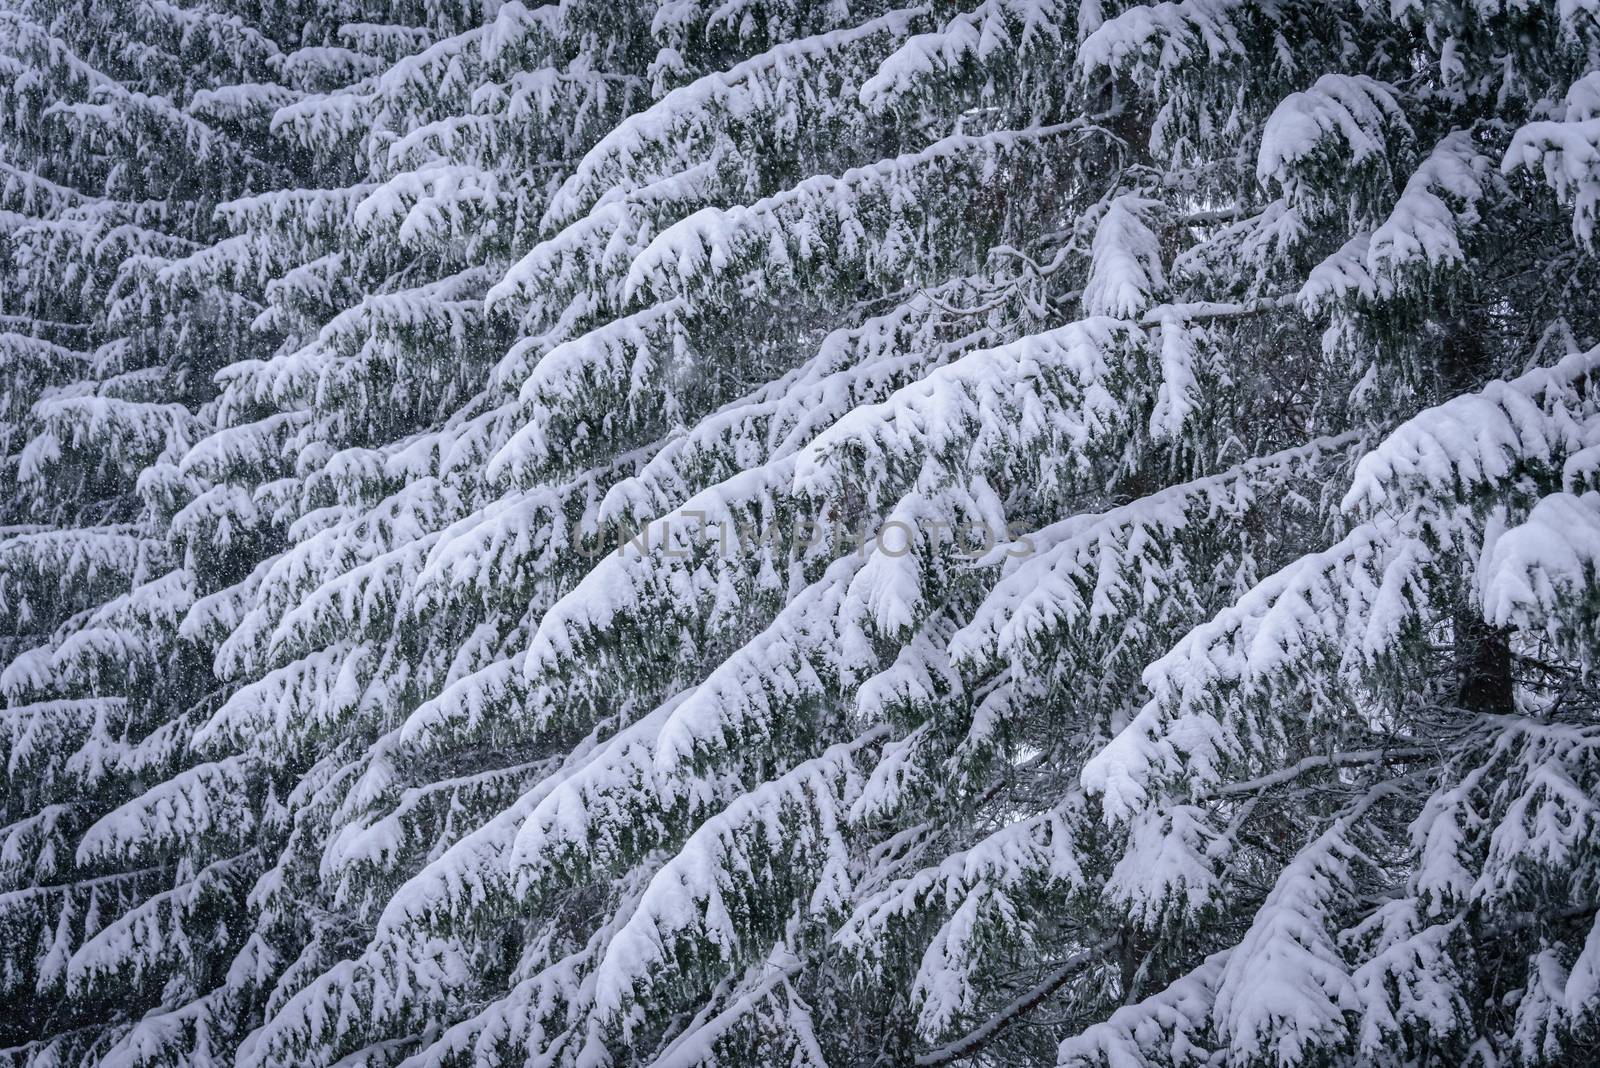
pixel 124 126
pixel 790 533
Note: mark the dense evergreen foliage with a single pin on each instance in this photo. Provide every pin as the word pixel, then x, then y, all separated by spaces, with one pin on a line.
pixel 789 533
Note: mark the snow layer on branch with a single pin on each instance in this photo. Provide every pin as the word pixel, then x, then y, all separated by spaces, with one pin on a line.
pixel 1343 121
pixel 716 875
pixel 1439 201
pixel 632 582
pixel 303 696
pixel 1179 394
pixel 520 540
pixel 535 1013
pixel 433 202
pixel 339 575
pixel 1543 811
pixel 943 988
pixel 1344 276
pixel 1338 611
pixel 81 555
pixel 1567 152
pixel 1043 844
pixel 853 366
pixel 1345 607
pixel 985 408
pixel 623 364
pixel 1156 39
pixel 672 135
pixel 1168 872
pixel 1249 256
pixel 1544 573
pixel 1168 1028
pixel 1408 986
pixel 1481 437
pixel 1082 566
pixel 587 261
pixel 129 433
pixel 476 869
pixel 873 219
pixel 1125 275
pixel 1421 238
pixel 994 32
pixel 750 696
pixel 1285 987
pixel 156 934
pixel 1583 982
pixel 598 816
pixel 205 803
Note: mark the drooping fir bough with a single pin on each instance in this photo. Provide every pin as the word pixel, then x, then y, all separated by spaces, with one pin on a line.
pixel 450 614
